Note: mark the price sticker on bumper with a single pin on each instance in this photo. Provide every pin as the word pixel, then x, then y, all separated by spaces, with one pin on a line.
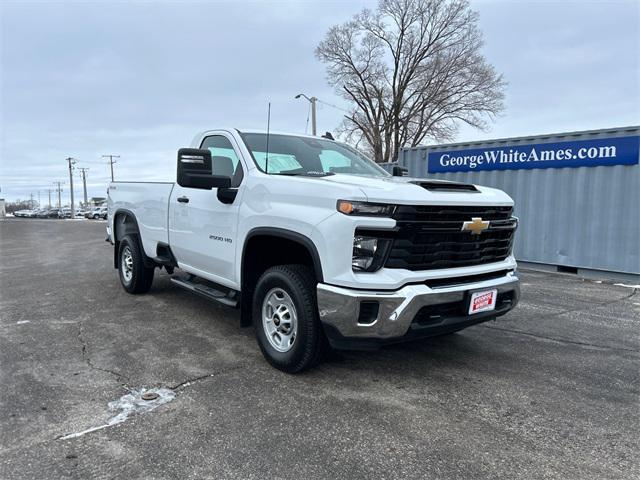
pixel 483 301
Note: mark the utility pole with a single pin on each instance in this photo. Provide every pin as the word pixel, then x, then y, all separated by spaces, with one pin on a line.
pixel 84 183
pixel 38 198
pixel 49 190
pixel 111 162
pixel 313 101
pixel 59 190
pixel 71 162
pixel 31 201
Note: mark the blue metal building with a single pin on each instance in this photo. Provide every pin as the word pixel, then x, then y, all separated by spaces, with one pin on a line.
pixel 577 194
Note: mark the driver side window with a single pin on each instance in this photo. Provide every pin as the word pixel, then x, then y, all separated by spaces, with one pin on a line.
pixel 224 160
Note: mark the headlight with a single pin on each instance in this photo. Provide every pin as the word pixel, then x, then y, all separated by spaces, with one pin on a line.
pixel 369 253
pixel 365 208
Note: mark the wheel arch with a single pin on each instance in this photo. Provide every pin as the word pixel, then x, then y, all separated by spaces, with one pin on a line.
pixel 289 235
pixel 125 223
pixel 278 247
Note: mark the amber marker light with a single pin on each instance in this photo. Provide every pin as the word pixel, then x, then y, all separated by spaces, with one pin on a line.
pixel 345 207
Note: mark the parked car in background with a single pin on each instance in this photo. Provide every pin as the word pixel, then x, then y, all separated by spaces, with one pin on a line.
pixel 64 213
pixel 21 213
pixel 80 214
pixel 97 212
pixel 25 213
pixel 89 213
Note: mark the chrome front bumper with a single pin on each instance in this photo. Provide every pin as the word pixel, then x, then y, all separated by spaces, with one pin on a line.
pixel 339 307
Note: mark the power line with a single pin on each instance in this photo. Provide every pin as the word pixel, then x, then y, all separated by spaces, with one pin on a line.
pixel 306 128
pixel 333 106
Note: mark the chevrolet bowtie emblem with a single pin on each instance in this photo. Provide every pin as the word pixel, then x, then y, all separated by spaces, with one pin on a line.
pixel 476 226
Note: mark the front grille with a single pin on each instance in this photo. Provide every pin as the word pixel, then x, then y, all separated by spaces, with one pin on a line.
pixel 431 237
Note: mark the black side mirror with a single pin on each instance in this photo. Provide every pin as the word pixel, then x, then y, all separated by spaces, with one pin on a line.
pixel 194 170
pixel 399 171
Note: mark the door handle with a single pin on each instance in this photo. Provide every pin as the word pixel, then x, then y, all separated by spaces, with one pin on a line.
pixel 183 199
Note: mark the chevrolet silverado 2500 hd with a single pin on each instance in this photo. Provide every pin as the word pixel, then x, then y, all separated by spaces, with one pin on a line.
pixel 316 244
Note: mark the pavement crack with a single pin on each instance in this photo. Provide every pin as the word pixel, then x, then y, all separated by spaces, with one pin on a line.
pixel 594 305
pixel 567 341
pixel 192 380
pixel 87 358
pixel 560 340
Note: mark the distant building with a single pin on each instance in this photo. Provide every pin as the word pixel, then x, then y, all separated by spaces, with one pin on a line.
pixel 97 201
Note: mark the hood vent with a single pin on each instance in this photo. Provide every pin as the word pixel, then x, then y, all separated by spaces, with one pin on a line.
pixel 436 186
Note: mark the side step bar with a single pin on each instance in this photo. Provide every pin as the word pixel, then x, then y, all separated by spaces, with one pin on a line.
pixel 230 299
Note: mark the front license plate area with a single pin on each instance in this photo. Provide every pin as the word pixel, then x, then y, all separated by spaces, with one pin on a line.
pixel 483 301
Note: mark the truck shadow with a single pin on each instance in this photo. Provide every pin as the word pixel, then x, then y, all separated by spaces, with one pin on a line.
pixel 465 350
pixel 468 349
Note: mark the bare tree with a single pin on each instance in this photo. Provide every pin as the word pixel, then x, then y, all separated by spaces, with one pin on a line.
pixel 413 71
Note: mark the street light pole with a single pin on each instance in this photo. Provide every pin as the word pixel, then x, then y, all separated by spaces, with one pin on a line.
pixel 313 101
pixel 313 116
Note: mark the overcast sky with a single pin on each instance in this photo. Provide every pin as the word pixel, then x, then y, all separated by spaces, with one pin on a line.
pixel 83 79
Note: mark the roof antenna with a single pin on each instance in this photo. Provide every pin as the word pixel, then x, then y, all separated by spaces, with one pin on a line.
pixel 266 162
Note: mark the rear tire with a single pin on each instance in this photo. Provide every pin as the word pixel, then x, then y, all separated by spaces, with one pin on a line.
pixel 285 317
pixel 134 276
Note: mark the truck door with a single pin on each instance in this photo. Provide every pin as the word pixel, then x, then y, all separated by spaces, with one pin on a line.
pixel 202 227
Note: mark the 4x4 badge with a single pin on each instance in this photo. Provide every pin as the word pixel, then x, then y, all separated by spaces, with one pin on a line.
pixel 476 226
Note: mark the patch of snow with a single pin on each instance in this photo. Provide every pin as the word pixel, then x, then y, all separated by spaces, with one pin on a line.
pixel 625 285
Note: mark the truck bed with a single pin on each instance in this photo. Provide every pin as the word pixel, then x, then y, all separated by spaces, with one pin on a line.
pixel 149 202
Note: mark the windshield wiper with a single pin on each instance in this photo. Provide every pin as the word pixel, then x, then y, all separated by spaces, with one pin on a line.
pixel 319 174
pixel 303 174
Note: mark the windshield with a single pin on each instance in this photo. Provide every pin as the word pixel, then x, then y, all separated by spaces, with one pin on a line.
pixel 291 155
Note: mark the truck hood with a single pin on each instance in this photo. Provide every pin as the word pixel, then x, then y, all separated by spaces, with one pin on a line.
pixel 408 191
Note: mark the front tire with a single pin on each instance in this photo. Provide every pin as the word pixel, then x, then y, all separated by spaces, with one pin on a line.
pixel 134 275
pixel 285 317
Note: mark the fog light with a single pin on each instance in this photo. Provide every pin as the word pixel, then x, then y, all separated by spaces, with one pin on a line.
pixel 368 253
pixel 364 250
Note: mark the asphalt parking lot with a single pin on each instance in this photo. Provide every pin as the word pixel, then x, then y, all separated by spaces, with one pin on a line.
pixel 549 391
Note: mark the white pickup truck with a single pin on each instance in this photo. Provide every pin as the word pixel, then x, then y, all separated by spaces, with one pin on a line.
pixel 316 244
